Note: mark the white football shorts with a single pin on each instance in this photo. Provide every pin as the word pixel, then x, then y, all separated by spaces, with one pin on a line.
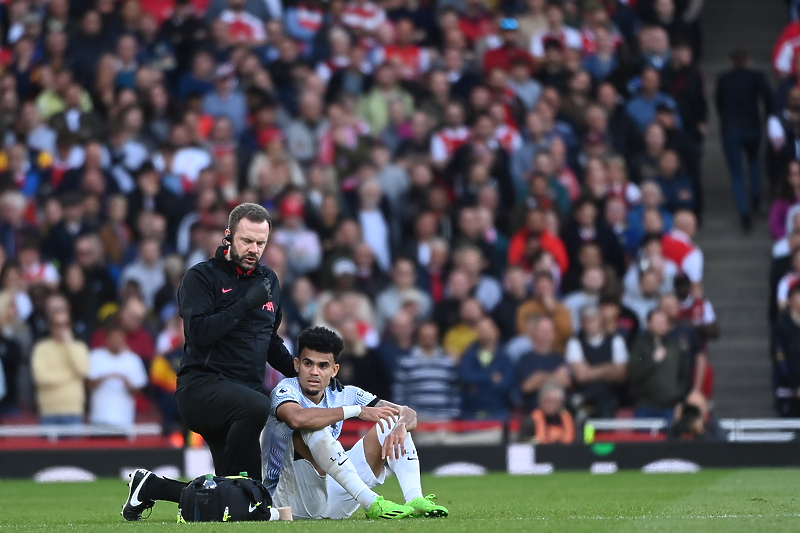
pixel 315 496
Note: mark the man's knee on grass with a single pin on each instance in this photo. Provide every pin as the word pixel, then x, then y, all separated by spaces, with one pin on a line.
pixel 256 412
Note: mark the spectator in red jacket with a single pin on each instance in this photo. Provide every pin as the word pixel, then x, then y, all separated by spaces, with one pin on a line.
pixel 508 52
pixel 535 223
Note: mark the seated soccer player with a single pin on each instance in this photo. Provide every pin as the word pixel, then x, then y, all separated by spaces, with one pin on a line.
pixel 306 468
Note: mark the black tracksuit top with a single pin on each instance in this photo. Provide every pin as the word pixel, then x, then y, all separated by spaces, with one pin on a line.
pixel 225 339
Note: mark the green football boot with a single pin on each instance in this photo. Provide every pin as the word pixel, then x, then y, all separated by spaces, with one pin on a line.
pixel 383 508
pixel 424 506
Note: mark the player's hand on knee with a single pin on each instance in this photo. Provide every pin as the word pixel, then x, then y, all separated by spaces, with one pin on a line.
pixel 379 415
pixel 394 445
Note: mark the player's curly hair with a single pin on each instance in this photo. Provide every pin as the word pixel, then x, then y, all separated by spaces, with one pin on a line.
pixel 320 339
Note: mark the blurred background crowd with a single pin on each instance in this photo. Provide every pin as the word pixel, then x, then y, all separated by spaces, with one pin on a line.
pixel 494 203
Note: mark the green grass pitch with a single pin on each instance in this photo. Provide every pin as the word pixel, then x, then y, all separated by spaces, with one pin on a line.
pixel 710 501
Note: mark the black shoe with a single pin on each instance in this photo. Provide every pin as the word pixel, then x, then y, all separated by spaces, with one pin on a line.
pixel 133 508
pixel 747 223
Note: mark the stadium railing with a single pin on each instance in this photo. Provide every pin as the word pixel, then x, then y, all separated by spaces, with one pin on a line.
pixel 739 429
pixel 441 433
pixel 55 432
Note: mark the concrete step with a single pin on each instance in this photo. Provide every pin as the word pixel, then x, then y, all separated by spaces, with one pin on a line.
pixel 736 265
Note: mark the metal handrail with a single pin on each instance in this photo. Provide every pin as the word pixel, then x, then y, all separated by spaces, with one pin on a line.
pixel 739 429
pixel 54 432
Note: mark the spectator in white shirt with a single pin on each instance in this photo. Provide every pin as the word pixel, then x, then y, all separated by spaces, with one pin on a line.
pixel 568 37
pixel 598 361
pixel 116 374
pixel 374 225
pixel 646 299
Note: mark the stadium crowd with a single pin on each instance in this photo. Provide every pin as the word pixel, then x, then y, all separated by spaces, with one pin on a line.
pixel 489 201
pixel 783 171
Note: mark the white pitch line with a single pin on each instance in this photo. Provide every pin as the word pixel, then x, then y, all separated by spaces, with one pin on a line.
pixel 645 517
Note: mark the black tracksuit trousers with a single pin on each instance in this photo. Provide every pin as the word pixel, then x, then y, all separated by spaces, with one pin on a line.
pixel 230 417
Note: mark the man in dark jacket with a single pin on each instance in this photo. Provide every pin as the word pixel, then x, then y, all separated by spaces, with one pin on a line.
pixel 86 47
pixel 587 227
pixel 149 195
pixel 487 376
pixel 658 369
pixel 739 91
pixel 231 310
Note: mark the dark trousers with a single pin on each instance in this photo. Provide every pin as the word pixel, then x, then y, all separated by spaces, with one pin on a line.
pixel 230 417
pixel 788 407
pixel 599 399
pixel 734 142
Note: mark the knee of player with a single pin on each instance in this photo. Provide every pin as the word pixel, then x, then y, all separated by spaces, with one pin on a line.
pixel 384 427
pixel 310 436
pixel 258 412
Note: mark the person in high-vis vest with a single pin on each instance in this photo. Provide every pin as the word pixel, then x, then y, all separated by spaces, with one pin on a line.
pixel 552 423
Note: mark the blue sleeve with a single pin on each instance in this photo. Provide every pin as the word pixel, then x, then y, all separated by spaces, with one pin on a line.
pixel 519 165
pixel 293 28
pixel 508 373
pixel 667 218
pixel 674 106
pixel 524 369
pixel 470 371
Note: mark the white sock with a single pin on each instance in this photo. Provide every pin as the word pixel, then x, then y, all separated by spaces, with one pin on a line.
pixel 406 468
pixel 329 455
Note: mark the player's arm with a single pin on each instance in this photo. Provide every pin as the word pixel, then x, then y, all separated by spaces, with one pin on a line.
pixel 315 418
pixel 202 324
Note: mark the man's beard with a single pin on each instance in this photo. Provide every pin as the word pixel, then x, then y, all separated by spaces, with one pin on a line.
pixel 311 393
pixel 238 260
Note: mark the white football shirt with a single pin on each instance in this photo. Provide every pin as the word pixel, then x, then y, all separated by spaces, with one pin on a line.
pixel 277 434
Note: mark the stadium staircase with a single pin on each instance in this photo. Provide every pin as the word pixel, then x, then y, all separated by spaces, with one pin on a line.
pixel 736 266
